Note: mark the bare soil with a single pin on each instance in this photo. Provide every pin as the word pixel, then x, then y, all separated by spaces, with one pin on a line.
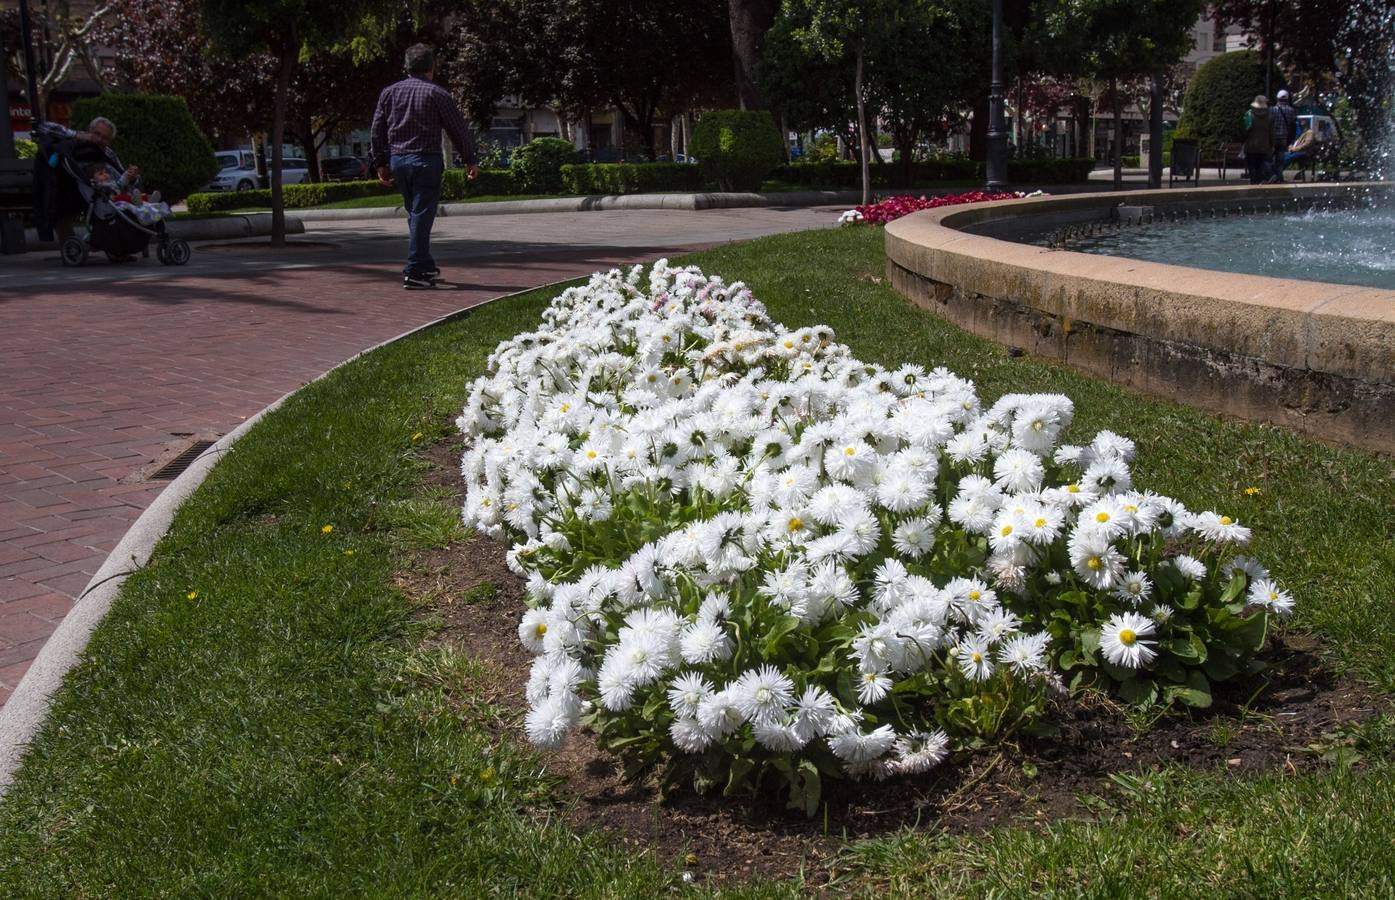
pixel 1267 724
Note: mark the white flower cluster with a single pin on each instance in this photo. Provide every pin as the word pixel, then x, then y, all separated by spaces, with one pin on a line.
pixel 745 532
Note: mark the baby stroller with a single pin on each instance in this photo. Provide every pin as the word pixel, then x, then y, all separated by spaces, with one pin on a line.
pixel 110 229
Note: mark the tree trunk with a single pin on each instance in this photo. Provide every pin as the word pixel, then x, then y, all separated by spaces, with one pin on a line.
pixel 1155 132
pixel 305 131
pixel 750 20
pixel 285 65
pixel 1118 135
pixel 863 143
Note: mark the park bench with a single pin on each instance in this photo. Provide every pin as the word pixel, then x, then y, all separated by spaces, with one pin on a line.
pixel 16 200
pixel 1232 154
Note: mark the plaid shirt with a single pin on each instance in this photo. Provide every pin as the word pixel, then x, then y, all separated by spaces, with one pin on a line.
pixel 409 119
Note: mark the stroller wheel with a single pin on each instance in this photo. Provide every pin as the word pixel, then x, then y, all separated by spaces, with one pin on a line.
pixel 162 253
pixel 74 252
pixel 178 252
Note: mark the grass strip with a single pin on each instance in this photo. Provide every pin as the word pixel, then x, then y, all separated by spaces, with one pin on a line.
pixel 254 717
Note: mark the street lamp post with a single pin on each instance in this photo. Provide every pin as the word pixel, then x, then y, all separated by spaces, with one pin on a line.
pixel 997 121
pixel 26 37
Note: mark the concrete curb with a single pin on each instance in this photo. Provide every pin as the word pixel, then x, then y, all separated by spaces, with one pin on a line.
pixel 24 714
pixel 595 203
pixel 220 228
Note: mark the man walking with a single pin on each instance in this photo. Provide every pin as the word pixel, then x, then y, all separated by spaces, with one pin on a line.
pixel 1283 121
pixel 406 149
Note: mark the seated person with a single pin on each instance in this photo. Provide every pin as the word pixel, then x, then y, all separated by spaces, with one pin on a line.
pixel 119 188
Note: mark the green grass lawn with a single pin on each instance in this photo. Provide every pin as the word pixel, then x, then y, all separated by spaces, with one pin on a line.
pixel 253 716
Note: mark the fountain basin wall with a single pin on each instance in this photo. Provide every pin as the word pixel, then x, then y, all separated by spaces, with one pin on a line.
pixel 1312 356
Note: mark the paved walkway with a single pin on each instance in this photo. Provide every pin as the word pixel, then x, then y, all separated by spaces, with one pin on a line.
pixel 109 371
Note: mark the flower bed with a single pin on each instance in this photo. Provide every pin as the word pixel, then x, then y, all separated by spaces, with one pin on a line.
pixel 750 554
pixel 893 208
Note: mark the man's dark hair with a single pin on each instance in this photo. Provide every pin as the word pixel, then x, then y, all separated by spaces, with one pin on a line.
pixel 420 59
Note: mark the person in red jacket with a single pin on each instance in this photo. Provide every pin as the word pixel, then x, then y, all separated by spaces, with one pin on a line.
pixel 406 150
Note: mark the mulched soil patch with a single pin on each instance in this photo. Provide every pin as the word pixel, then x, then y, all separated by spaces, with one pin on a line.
pixel 1264 725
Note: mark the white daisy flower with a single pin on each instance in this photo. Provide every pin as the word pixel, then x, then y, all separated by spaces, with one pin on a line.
pixel 913 537
pixel 1134 588
pixel 1025 653
pixel 1122 640
pixel 686 693
pixel 762 694
pixel 974 658
pixel 920 751
pixel 856 747
pixel 1269 595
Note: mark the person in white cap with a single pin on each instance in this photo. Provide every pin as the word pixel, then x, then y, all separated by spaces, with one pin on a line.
pixel 1283 123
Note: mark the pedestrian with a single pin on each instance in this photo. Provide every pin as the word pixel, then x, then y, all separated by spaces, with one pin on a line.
pixel 56 200
pixel 1259 139
pixel 406 150
pixel 1283 123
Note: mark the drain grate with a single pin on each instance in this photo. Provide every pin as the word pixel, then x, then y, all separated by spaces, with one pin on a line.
pixel 172 469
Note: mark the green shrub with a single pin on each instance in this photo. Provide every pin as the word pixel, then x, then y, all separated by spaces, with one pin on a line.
pixel 25 148
pixel 1049 171
pixel 157 134
pixel 490 182
pixel 631 178
pixel 537 165
pixel 296 196
pixel 736 148
pixel 1213 110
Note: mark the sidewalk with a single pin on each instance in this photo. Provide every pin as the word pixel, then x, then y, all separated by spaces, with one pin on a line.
pixel 108 371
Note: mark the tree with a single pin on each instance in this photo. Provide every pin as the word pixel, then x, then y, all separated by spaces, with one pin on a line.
pixel 844 30
pixel 288 30
pixel 809 90
pixel 1124 40
pixel 1351 40
pixel 65 38
pixel 929 58
pixel 643 58
pixel 151 53
pixel 750 20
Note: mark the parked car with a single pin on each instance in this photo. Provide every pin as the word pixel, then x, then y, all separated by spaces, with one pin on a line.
pixel 343 168
pixel 294 170
pixel 237 171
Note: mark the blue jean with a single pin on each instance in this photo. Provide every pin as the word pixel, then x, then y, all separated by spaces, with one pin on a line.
pixel 418 176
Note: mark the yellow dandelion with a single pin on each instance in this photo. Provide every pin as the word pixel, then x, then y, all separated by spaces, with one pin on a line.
pixel 192 595
pixel 326 529
pixel 1251 491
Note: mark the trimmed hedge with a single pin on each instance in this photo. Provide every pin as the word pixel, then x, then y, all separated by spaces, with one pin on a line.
pixel 631 178
pixel 454 186
pixel 1213 111
pixel 490 183
pixel 1050 171
pixel 296 196
pixel 537 165
pixel 845 174
pixel 737 148
pixel 25 148
pixel 158 134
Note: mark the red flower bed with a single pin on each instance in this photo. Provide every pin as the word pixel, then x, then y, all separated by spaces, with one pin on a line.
pixel 896 207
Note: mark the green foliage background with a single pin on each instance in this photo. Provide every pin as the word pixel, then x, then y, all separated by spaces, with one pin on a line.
pixel 158 134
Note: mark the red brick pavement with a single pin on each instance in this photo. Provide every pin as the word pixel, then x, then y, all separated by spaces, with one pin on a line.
pixel 100 381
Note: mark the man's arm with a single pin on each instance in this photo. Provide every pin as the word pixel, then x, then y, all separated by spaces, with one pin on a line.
pixel 455 126
pixel 378 142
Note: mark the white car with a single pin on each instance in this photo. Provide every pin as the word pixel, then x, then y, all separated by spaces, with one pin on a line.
pixel 237 171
